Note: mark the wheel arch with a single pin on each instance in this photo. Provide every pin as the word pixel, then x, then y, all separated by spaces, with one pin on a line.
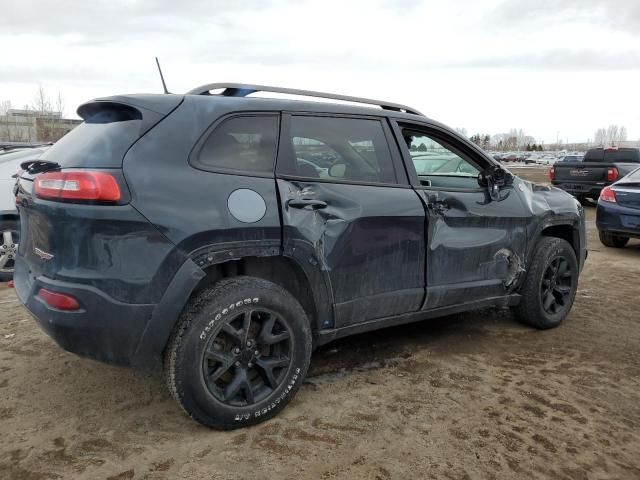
pixel 307 287
pixel 565 231
pixel 283 271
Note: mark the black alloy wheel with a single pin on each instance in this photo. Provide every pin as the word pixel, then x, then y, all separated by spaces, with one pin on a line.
pixel 556 285
pixel 248 359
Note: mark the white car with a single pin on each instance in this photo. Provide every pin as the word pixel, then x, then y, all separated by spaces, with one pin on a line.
pixel 9 219
pixel 547 160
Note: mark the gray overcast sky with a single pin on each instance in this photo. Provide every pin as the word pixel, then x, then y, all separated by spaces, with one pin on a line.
pixel 547 66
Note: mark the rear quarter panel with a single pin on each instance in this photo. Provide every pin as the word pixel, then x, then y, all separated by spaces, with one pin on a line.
pixel 190 206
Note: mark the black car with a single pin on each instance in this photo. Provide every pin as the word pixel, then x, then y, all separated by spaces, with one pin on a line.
pixel 194 232
pixel 586 177
pixel 618 213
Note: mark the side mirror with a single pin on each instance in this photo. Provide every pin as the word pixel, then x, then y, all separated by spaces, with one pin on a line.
pixel 337 170
pixel 495 178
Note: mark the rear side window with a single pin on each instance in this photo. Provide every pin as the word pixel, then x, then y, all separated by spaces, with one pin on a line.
pixel 242 144
pixel 102 141
pixel 340 149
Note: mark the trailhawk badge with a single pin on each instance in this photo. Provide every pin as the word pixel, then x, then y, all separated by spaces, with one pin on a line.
pixel 42 254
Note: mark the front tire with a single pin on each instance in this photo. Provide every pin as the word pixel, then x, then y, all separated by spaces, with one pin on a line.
pixel 239 353
pixel 550 286
pixel 611 240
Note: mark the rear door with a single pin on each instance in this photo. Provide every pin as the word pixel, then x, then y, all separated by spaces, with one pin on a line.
pixel 348 210
pixel 476 244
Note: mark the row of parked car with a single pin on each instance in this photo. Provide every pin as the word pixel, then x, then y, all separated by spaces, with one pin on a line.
pixel 539 158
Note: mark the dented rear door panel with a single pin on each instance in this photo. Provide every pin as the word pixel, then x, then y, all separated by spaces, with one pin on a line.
pixel 368 242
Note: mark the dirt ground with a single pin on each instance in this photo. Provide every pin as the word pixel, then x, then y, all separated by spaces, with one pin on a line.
pixel 470 396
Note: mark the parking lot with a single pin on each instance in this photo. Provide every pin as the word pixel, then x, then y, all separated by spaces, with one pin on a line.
pixel 470 396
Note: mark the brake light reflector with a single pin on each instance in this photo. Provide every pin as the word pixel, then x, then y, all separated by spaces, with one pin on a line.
pixel 612 174
pixel 59 301
pixel 88 186
pixel 608 195
pixel 552 173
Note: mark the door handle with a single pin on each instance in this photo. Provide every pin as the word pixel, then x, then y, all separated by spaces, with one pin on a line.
pixel 438 206
pixel 306 202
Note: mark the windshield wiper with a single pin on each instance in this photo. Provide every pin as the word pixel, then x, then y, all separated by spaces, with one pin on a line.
pixel 39 166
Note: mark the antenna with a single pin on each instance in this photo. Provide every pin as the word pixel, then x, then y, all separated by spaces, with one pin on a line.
pixel 164 85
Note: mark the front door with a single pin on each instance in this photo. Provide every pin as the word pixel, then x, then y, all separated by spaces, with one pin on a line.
pixel 476 243
pixel 347 209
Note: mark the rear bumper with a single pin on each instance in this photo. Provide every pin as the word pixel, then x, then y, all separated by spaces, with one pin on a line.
pixel 103 329
pixel 580 189
pixel 614 218
pixel 9 213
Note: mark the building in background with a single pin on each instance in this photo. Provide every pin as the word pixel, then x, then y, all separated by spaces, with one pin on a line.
pixel 33 126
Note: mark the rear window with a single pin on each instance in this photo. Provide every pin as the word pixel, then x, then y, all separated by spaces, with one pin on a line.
pixel 339 149
pixel 109 129
pixel 633 177
pixel 241 144
pixel 622 155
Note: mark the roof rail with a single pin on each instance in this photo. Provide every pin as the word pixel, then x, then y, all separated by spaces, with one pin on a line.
pixel 242 90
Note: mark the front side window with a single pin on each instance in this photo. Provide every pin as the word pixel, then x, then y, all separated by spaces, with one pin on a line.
pixel 244 144
pixel 438 164
pixel 341 149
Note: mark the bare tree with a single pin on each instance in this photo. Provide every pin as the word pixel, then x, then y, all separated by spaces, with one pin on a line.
pixel 612 134
pixel 5 106
pixel 59 105
pixel 600 137
pixel 41 102
pixel 622 134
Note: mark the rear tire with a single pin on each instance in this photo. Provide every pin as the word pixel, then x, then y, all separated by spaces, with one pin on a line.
pixel 550 286
pixel 9 239
pixel 239 353
pixel 611 240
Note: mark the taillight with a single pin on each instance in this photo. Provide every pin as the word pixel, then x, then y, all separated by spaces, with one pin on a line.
pixel 59 301
pixel 552 173
pixel 608 195
pixel 612 174
pixel 86 186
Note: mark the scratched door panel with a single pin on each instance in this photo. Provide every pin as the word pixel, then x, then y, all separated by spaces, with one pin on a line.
pixel 475 247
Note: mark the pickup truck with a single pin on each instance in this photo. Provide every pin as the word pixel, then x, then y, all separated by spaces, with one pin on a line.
pixel 599 168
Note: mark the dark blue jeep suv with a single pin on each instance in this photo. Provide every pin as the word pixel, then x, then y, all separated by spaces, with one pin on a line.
pixel 224 236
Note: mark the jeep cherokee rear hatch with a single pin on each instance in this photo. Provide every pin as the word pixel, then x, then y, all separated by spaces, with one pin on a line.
pixel 81 238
